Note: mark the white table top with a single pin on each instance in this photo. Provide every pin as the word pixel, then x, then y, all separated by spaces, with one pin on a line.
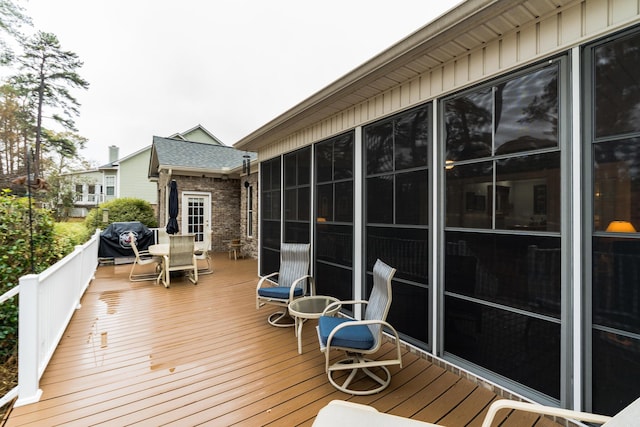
pixel 159 249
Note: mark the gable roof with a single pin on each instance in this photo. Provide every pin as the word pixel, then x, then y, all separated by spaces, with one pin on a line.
pixel 188 135
pixel 191 156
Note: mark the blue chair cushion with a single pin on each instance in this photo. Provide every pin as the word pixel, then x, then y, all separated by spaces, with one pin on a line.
pixel 281 292
pixel 357 336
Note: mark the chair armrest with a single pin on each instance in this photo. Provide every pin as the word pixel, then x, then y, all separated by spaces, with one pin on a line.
pixel 292 289
pixel 540 409
pixel 347 302
pixel 264 278
pixel 361 323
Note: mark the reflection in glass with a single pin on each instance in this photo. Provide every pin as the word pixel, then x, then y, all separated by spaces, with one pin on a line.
pixel 334 244
pixel 379 147
pixel 290 170
pixel 526 116
pixel 343 157
pixel 303 167
pixel 405 249
pixel 468 123
pixel 380 199
pixel 468 202
pixel 617 86
pixel 344 201
pixel 411 139
pixel 334 203
pixel 324 161
pixel 324 202
pixel 616 183
pixel 296 232
pixel 522 348
pixel 528 193
pixel 290 204
pixel 616 283
pixel 414 323
pixel 412 201
pixel 304 204
pixel 518 271
pixel 334 280
pixel 616 371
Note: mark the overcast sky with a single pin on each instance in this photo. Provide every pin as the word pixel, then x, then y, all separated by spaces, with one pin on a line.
pixel 158 67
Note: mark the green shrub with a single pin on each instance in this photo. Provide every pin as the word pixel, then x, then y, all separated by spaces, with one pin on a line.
pixel 68 235
pixel 125 209
pixel 16 235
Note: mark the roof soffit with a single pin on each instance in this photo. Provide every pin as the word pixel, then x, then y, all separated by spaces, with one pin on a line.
pixel 464 28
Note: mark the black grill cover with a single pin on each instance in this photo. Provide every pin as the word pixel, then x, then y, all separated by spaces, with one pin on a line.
pixel 114 240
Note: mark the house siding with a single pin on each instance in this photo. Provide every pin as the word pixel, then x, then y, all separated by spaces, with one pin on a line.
pixel 575 23
pixel 133 179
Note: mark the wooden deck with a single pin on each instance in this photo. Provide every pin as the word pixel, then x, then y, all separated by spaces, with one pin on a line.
pixel 137 353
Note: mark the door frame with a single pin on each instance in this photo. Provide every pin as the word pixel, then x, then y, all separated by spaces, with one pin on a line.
pixel 206 196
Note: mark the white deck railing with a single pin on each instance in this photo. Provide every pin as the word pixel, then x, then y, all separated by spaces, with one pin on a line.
pixel 47 303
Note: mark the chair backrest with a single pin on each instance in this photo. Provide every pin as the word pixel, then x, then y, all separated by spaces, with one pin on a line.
pixel 380 300
pixel 294 263
pixel 162 236
pixel 181 250
pixel 132 241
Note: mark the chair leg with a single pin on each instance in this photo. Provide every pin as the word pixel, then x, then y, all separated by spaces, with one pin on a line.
pixel 209 268
pixel 140 277
pixel 358 363
pixel 276 319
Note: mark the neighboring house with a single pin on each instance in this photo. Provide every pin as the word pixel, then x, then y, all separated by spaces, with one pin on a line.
pixel 124 177
pixel 485 157
pixel 211 190
pixel 88 190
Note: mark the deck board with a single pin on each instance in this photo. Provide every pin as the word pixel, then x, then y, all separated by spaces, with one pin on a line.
pixel 140 354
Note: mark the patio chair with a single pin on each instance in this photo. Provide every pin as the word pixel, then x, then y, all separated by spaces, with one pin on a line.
pixel 143 258
pixel 291 283
pixel 181 258
pixel 358 338
pixel 629 416
pixel 202 252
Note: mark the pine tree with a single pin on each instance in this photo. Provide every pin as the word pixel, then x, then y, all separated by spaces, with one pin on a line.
pixel 46 74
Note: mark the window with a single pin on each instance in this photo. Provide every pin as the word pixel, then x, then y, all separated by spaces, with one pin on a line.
pixel 297 196
pixel 91 193
pixel 334 216
pixel 502 172
pixel 397 213
pixel 503 161
pixel 79 192
pixel 270 218
pixel 612 97
pixel 110 184
pixel 250 211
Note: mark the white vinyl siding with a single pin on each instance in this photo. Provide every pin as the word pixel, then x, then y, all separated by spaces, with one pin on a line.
pixel 576 22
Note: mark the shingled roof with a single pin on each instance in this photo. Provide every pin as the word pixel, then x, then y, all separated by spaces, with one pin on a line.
pixel 178 154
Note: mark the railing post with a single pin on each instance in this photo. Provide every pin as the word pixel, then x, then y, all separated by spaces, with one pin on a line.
pixel 28 342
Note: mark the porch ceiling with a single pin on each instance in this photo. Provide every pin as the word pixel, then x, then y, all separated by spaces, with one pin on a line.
pixel 467 27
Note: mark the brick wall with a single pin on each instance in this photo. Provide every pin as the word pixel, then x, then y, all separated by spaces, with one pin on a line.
pixel 225 204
